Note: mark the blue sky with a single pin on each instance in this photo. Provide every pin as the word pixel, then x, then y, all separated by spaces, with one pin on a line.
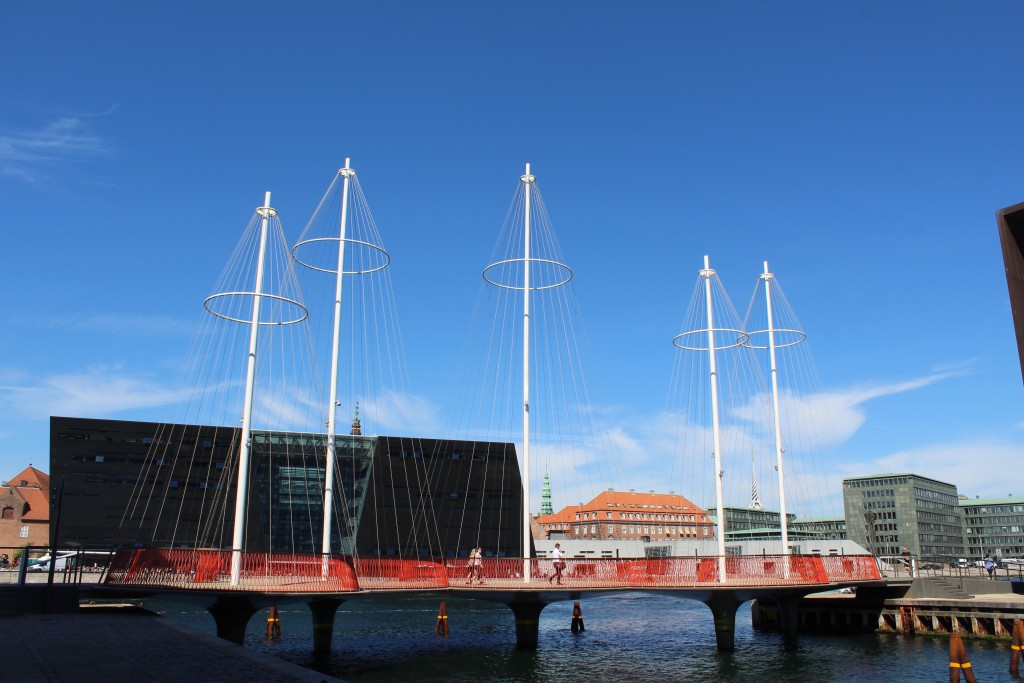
pixel 861 147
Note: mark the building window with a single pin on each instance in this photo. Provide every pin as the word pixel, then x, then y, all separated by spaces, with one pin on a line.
pixel 23 533
pixel 8 513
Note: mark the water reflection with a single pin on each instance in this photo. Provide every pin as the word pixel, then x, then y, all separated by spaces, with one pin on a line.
pixel 629 637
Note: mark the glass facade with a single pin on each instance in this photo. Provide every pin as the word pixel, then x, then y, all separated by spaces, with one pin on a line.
pixel 290 488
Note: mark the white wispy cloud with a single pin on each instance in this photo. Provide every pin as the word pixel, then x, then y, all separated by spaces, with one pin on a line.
pixel 400 413
pixel 97 391
pixel 27 155
pixel 108 323
pixel 649 446
pixel 973 465
pixel 835 416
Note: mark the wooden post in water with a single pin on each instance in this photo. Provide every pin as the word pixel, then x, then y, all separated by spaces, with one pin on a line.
pixel 273 631
pixel 577 618
pixel 1018 642
pixel 958 661
pixel 441 628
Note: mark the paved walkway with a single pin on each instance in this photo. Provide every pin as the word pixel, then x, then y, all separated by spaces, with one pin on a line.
pixel 101 646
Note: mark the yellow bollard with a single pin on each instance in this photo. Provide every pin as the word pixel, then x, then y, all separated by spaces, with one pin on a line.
pixel 441 628
pixel 577 618
pixel 1018 643
pixel 958 662
pixel 273 631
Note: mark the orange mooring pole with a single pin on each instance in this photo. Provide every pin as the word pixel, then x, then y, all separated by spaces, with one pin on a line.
pixel 1018 643
pixel 441 628
pixel 958 661
pixel 273 625
pixel 577 618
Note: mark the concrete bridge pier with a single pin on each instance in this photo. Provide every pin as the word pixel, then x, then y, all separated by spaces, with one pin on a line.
pixel 527 609
pixel 323 611
pixel 789 618
pixel 232 614
pixel 723 608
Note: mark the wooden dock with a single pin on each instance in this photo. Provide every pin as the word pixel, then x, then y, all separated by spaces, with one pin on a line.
pixel 974 608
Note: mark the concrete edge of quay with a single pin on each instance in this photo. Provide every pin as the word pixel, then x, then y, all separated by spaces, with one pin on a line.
pixel 125 642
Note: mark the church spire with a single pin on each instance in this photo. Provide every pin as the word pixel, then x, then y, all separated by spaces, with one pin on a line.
pixel 755 498
pixel 545 495
pixel 357 428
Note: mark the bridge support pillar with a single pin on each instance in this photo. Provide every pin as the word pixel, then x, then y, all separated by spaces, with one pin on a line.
pixel 723 609
pixel 789 618
pixel 527 611
pixel 232 614
pixel 323 611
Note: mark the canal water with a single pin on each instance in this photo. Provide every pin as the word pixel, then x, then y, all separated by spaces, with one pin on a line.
pixel 628 637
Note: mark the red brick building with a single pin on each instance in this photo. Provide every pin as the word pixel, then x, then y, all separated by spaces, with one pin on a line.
pixel 24 511
pixel 629 515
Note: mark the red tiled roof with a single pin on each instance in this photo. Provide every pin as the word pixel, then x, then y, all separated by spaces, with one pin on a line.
pixel 32 477
pixel 38 504
pixel 623 501
pixel 563 516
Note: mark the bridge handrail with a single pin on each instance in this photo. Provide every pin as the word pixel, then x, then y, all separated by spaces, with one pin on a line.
pixel 209 568
pixel 309 572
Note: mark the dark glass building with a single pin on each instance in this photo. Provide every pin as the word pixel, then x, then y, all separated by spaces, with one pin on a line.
pixel 1010 222
pixel 150 484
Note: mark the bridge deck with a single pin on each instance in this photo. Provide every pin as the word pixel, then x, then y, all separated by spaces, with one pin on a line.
pixel 209 571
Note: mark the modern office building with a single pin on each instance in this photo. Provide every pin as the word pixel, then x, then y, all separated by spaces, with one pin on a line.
pixel 142 483
pixel 759 524
pixel 739 519
pixel 1010 222
pixel 886 513
pixel 624 515
pixel 820 527
pixel 994 526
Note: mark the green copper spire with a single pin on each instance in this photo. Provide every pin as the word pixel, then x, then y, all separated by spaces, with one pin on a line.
pixel 545 495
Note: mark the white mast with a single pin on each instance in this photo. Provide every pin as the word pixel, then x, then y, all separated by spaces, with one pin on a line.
pixel 767 277
pixel 241 489
pixel 707 274
pixel 527 180
pixel 332 409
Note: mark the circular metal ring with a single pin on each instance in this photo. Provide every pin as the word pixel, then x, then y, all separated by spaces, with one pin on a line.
pixel 535 260
pixel 741 339
pixel 222 295
pixel 295 249
pixel 789 338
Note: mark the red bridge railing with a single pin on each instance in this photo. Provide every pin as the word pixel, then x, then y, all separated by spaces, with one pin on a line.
pixel 204 569
pixel 310 573
pixel 382 573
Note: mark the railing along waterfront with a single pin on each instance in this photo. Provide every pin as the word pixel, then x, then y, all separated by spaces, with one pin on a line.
pixel 304 573
pixel 206 569
pixel 31 564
